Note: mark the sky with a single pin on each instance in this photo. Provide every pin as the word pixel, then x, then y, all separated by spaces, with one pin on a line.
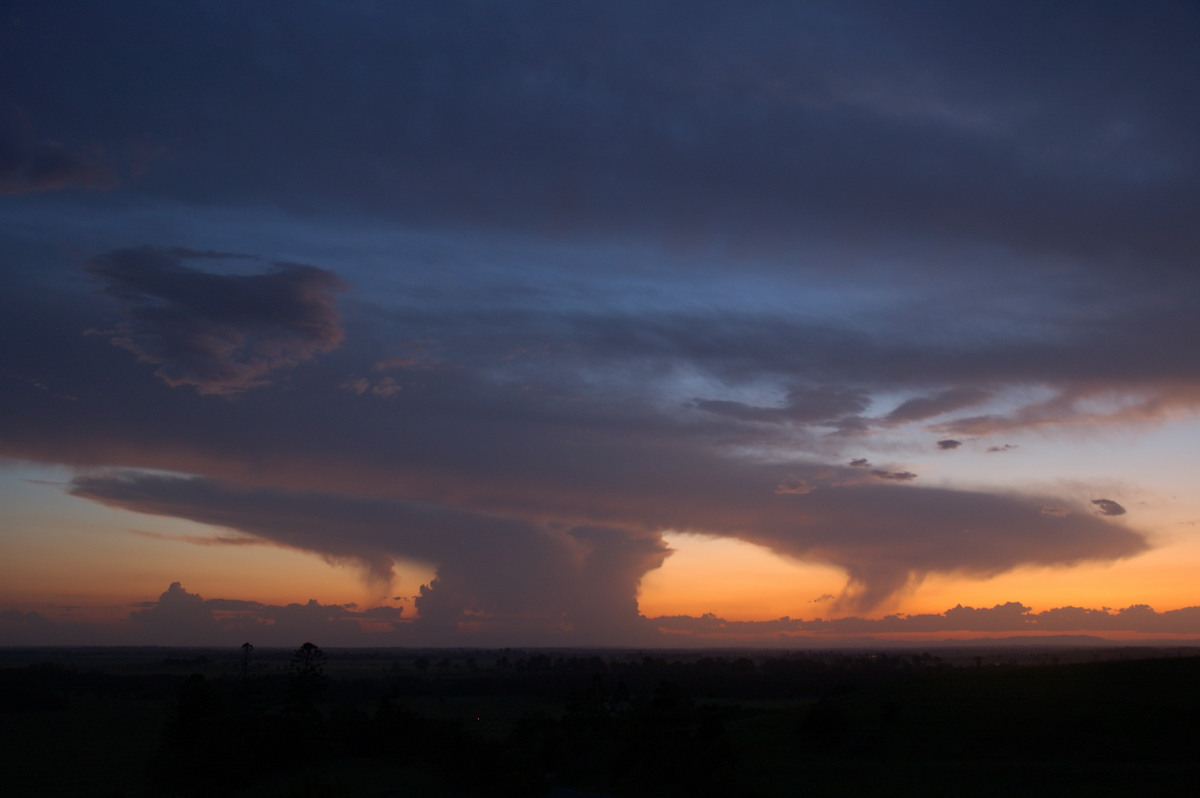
pixel 598 324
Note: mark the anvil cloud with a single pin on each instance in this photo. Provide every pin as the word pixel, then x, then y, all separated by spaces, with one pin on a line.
pixel 515 290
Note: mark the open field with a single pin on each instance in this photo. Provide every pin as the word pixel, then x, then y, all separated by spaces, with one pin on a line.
pixel 174 722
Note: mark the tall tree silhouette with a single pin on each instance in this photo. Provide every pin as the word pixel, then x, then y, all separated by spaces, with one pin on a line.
pixel 244 662
pixel 306 677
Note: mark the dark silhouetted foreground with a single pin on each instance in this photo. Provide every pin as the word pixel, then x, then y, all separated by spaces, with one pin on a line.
pixel 149 722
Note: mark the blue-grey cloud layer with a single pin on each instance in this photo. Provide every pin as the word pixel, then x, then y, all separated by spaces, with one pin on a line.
pixel 560 277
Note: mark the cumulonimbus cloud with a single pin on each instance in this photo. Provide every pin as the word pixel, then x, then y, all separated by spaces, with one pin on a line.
pixel 490 569
pixel 504 565
pixel 888 537
pixel 463 449
pixel 717 317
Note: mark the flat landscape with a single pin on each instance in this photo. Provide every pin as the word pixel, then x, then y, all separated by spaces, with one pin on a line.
pixel 307 722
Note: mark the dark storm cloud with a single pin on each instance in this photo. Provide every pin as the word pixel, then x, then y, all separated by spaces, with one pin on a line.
pixel 482 449
pixel 887 537
pixel 948 444
pixel 907 211
pixel 1084 365
pixel 508 570
pixel 684 119
pixel 221 333
pixel 464 453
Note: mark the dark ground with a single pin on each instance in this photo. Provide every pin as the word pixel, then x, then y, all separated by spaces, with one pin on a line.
pixel 293 724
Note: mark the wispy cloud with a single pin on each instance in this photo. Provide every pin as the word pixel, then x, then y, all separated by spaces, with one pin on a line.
pixel 200 540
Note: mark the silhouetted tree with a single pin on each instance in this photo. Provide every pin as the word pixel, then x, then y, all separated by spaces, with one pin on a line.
pixel 306 677
pixel 244 662
pixel 308 662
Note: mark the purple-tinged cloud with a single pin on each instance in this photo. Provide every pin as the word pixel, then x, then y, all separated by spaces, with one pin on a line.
pixel 510 461
pixel 220 333
pixel 496 563
pixel 888 537
pixel 31 628
pixel 503 573
pixel 578 225
pixel 179 617
pixel 948 444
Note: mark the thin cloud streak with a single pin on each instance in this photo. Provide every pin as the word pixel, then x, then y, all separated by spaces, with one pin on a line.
pixel 199 540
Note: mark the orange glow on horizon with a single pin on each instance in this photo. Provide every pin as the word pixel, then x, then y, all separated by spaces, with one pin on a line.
pixel 736 581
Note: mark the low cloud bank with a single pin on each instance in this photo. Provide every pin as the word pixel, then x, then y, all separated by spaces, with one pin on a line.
pixel 181 618
pixel 1009 618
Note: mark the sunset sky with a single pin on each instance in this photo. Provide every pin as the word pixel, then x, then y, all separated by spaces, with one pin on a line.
pixel 598 323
